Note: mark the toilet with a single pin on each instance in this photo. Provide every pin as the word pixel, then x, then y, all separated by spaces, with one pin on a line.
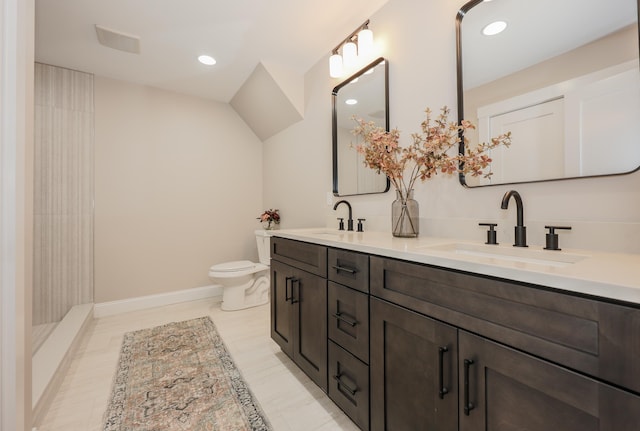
pixel 245 284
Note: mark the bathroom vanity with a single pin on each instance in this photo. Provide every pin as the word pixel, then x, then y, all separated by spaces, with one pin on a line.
pixel 426 333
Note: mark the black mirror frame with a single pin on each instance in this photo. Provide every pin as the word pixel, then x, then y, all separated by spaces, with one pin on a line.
pixel 334 119
pixel 460 98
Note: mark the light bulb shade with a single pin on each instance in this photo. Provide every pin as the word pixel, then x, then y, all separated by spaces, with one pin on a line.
pixel 335 66
pixel 365 43
pixel 350 55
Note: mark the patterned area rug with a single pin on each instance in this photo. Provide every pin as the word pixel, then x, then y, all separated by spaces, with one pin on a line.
pixel 180 376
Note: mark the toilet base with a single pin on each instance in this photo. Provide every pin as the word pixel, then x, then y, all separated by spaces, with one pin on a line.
pixel 252 293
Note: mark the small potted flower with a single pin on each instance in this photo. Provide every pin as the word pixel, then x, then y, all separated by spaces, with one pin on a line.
pixel 269 218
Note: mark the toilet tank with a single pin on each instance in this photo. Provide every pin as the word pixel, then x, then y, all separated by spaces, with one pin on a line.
pixel 264 250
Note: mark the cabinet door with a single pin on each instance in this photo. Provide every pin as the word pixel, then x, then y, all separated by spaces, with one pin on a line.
pixel 409 369
pixel 505 390
pixel 310 325
pixel 281 309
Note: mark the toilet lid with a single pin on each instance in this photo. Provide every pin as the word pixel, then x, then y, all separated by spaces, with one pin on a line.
pixel 238 265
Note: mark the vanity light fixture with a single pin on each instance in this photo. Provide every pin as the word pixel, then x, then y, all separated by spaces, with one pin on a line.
pixel 207 60
pixel 349 55
pixel 358 44
pixel 365 42
pixel 494 28
pixel 351 101
pixel 335 65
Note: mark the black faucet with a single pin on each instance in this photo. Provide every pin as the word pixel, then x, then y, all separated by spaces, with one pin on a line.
pixel 520 230
pixel 350 221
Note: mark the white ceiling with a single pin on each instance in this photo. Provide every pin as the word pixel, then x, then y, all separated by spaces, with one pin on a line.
pixel 288 34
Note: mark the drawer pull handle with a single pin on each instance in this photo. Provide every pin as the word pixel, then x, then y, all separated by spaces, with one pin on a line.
pixel 340 317
pixel 339 268
pixel 338 378
pixel 468 406
pixel 443 390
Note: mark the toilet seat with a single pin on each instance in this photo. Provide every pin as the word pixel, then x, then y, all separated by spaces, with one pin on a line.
pixel 236 269
pixel 237 265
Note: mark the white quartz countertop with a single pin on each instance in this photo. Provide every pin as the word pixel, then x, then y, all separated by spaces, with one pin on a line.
pixel 607 275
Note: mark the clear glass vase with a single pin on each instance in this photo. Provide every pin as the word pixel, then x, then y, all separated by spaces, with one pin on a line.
pixel 405 215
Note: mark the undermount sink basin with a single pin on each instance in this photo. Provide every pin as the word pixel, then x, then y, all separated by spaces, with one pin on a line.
pixel 327 232
pixel 510 254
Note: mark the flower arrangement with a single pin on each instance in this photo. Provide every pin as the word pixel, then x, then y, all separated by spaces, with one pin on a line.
pixel 268 217
pixel 428 154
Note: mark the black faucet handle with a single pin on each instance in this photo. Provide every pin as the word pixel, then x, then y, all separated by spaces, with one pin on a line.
pixel 360 226
pixel 341 226
pixel 492 238
pixel 552 237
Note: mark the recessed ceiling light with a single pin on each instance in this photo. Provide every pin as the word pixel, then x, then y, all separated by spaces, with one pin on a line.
pixel 351 101
pixel 207 59
pixel 494 28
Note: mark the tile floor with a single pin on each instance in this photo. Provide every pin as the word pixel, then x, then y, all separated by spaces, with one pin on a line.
pixel 288 397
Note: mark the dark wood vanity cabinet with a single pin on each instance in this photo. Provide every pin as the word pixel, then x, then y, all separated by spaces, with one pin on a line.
pixel 299 307
pixel 406 346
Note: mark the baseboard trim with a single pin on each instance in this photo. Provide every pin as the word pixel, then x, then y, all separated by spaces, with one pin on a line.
pixel 111 308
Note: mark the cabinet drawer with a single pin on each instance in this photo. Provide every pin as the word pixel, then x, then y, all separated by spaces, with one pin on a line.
pixel 588 335
pixel 349 384
pixel 349 319
pixel 303 255
pixel 349 268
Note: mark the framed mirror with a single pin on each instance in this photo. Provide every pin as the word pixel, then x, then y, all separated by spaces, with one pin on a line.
pixel 563 77
pixel 364 95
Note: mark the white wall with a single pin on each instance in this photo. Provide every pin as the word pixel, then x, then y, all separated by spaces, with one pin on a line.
pixel 418 39
pixel 178 188
pixel 16 211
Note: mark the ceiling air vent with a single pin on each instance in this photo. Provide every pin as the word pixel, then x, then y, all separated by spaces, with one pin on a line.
pixel 116 40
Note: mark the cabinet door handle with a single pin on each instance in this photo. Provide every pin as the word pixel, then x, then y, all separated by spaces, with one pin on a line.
pixel 295 280
pixel 468 406
pixel 338 378
pixel 286 289
pixel 339 268
pixel 341 317
pixel 443 390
